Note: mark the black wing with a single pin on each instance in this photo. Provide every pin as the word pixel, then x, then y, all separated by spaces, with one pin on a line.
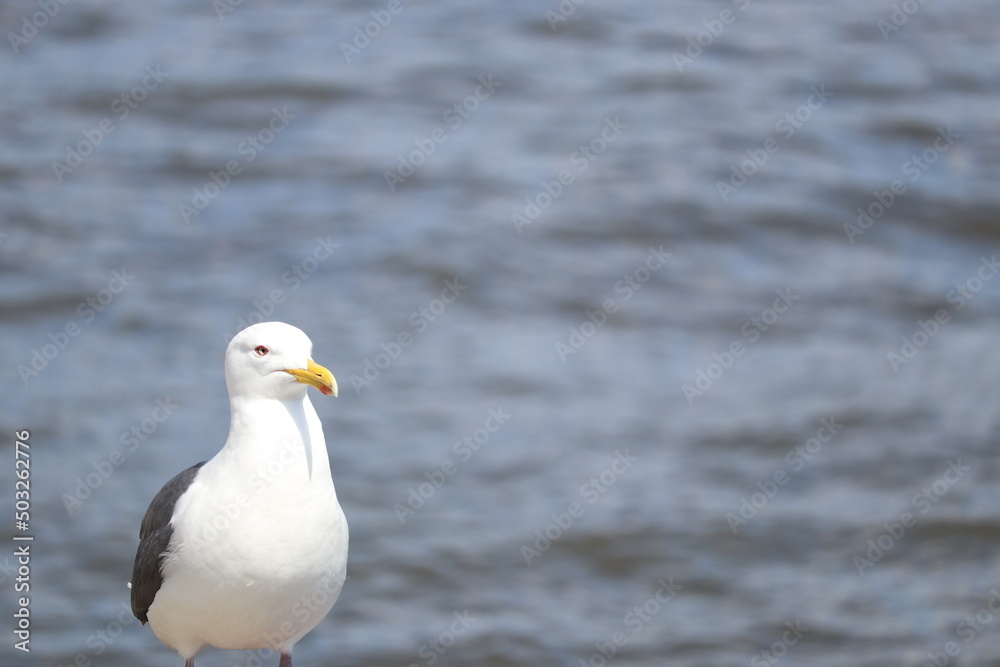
pixel 154 538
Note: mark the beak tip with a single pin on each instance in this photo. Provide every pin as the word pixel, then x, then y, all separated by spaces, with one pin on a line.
pixel 316 376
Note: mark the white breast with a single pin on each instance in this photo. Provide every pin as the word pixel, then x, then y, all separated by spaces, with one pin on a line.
pixel 259 550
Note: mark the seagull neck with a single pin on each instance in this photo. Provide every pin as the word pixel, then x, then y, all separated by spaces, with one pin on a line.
pixel 272 434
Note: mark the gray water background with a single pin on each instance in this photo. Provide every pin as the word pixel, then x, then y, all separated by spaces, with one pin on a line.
pixel 845 100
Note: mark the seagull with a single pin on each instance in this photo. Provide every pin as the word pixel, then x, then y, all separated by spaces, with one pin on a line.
pixel 249 549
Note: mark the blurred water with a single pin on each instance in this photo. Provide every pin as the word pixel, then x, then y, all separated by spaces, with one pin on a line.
pixel 648 217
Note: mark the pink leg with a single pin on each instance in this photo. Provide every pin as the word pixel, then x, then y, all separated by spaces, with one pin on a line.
pixel 286 660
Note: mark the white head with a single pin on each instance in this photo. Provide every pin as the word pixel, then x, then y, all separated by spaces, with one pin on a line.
pixel 274 360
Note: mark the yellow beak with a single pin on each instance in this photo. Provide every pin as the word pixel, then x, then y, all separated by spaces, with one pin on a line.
pixel 317 376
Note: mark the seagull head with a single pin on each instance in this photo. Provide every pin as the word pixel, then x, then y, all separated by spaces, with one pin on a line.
pixel 274 360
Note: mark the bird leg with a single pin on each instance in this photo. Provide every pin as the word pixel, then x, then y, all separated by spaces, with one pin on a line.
pixel 286 660
pixel 189 662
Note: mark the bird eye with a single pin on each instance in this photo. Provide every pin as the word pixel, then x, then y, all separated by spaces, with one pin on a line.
pixel 261 351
